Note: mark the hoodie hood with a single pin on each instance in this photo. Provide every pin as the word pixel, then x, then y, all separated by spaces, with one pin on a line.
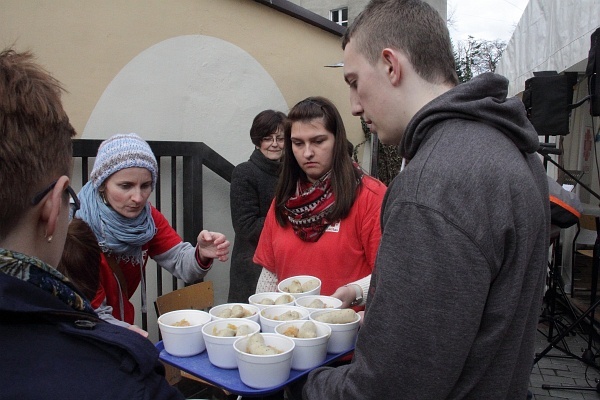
pixel 482 99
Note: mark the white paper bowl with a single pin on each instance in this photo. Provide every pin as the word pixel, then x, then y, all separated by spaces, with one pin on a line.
pixel 268 316
pixel 219 348
pixel 329 301
pixel 309 352
pixel 183 341
pixel 256 299
pixel 343 336
pixel 265 371
pixel 216 310
pixel 281 286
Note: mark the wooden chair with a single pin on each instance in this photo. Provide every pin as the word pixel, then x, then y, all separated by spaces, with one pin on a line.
pixel 589 223
pixel 199 296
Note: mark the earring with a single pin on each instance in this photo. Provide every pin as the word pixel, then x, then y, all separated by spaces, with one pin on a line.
pixel 103 197
pixel 49 238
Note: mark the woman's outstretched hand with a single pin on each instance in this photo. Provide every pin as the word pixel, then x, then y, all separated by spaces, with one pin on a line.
pixel 212 245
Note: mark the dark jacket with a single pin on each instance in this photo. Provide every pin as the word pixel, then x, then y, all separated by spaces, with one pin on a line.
pixel 252 190
pixel 51 351
pixel 458 283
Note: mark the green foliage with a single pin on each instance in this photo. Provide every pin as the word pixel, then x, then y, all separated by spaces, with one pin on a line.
pixel 367 136
pixel 388 160
pixel 388 163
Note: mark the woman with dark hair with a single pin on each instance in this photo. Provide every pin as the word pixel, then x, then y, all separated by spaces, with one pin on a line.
pixel 324 220
pixel 80 261
pixel 252 190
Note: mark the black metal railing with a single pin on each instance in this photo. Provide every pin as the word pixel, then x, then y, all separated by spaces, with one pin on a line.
pixel 174 158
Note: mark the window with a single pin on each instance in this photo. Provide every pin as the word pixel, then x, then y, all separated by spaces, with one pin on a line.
pixel 339 16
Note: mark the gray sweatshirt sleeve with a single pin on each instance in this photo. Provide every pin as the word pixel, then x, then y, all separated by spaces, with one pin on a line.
pixel 180 261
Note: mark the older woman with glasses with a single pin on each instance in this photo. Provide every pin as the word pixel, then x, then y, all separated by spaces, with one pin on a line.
pixel 129 229
pixel 51 337
pixel 252 190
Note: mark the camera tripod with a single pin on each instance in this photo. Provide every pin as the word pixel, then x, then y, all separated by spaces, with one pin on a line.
pixel 588 356
pixel 556 294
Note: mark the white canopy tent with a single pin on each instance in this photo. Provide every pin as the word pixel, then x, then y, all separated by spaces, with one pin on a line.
pixel 552 35
pixel 555 35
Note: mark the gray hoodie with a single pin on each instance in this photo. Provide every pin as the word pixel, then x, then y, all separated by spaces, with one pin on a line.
pixel 459 278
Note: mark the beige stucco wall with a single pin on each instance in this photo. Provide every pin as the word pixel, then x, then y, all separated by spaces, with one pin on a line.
pixel 86 43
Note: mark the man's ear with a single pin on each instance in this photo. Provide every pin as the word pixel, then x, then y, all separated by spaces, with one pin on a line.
pixel 53 204
pixel 392 64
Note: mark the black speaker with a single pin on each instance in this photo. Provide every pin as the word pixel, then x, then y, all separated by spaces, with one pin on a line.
pixel 548 97
pixel 593 73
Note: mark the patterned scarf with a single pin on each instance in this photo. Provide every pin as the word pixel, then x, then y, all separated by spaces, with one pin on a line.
pixel 36 272
pixel 308 209
pixel 116 234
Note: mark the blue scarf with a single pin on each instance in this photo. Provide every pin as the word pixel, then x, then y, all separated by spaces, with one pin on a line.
pixel 118 235
pixel 40 274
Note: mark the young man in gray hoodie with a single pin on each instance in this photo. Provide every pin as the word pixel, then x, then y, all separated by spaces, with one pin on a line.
pixel 458 283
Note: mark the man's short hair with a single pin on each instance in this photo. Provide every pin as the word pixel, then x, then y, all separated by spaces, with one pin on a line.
pixel 35 134
pixel 410 26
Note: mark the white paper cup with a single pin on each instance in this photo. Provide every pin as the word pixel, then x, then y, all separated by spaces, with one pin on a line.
pixel 183 341
pixel 220 348
pixel 309 352
pixel 256 299
pixel 270 317
pixel 265 371
pixel 330 302
pixel 284 284
pixel 343 336
pixel 216 311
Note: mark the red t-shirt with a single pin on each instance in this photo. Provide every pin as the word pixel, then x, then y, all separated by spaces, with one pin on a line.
pixel 344 253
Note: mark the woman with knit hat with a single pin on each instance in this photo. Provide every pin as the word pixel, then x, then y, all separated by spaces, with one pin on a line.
pixel 129 230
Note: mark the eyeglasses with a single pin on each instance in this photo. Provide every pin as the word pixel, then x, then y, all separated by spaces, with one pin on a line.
pixel 73 206
pixel 273 139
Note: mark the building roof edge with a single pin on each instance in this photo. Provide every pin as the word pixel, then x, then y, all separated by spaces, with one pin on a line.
pixel 295 11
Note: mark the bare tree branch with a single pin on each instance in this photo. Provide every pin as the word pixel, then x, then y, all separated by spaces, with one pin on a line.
pixel 474 56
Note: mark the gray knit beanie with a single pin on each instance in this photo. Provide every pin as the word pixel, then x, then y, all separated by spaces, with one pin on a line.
pixel 123 151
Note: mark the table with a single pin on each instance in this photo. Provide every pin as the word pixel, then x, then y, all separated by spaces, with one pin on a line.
pixel 229 379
